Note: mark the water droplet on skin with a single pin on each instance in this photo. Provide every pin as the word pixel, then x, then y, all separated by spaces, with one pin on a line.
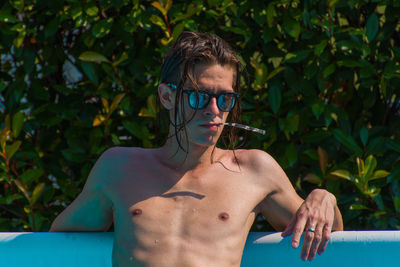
pixel 155 241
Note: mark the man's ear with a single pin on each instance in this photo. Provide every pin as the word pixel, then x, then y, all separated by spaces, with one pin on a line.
pixel 166 95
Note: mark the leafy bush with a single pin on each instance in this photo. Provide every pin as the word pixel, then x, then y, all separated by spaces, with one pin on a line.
pixel 79 77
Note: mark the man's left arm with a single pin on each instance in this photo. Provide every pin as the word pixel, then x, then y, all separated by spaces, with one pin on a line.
pixel 317 215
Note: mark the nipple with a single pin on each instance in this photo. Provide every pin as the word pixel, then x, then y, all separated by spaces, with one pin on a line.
pixel 223 216
pixel 136 212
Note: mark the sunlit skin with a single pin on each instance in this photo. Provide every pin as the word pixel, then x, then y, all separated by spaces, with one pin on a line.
pixel 172 209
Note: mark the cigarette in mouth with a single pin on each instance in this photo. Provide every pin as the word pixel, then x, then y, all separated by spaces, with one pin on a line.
pixel 242 126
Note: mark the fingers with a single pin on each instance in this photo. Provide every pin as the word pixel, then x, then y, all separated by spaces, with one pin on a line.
pixel 326 235
pixel 288 230
pixel 298 227
pixel 315 241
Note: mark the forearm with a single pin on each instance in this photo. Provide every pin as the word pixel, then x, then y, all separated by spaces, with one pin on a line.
pixel 82 218
pixel 66 222
pixel 62 225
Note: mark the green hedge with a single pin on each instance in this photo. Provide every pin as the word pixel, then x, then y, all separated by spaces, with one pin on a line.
pixel 78 77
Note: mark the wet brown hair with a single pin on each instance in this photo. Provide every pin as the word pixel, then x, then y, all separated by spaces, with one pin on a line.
pixel 189 50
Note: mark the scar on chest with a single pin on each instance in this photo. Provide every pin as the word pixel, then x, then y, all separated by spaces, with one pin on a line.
pixel 223 216
pixel 136 212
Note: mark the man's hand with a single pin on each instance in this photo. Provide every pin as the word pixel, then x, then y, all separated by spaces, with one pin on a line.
pixel 316 216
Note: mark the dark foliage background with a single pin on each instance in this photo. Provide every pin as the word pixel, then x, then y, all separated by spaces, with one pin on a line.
pixel 77 77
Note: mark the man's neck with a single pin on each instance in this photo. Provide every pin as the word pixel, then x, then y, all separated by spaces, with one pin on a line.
pixel 181 160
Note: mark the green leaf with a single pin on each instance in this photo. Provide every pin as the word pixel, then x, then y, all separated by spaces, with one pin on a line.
pixel 271 14
pixel 375 145
pixel 9 199
pixel 317 109
pixel 290 124
pixel 191 10
pixel 358 207
pixel 323 159
pixel 275 98
pixel 312 153
pixel 11 149
pixel 17 123
pixel 124 56
pixel 329 70
pixel 310 70
pixel 92 10
pixel 37 192
pixel 31 175
pixel 349 63
pixel 159 7
pixel 102 28
pixel 344 174
pixel 367 70
pixel 392 144
pixel 275 72
pixel 178 29
pixel 297 56
pixel 313 178
pixel 71 155
pixel 91 56
pixel 292 27
pixel 115 102
pixel 7 17
pixel 378 175
pixel 89 70
pixel 369 167
pixel 396 202
pixel 347 141
pixel 316 136
pixel 291 154
pixel 51 28
pixel 137 130
pixel 373 191
pixel 159 22
pixel 19 39
pixel 364 135
pixel 23 188
pixel 29 60
pixel 372 27
pixel 319 48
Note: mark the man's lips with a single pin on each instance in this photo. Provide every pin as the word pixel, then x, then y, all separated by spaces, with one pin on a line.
pixel 212 126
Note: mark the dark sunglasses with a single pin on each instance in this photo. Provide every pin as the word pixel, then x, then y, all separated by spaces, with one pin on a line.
pixel 198 99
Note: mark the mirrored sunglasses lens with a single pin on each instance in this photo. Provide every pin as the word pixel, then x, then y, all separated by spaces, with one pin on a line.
pixel 203 99
pixel 193 100
pixel 198 100
pixel 226 102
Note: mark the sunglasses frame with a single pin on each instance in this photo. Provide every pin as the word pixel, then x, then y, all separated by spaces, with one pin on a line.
pixel 235 95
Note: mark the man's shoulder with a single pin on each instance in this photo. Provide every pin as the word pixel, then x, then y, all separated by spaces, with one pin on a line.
pixel 261 165
pixel 121 155
pixel 254 158
pixel 114 161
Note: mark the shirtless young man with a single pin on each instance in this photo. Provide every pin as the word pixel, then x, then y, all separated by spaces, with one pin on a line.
pixel 189 203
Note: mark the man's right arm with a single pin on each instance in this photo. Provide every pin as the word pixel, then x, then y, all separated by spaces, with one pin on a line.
pixel 92 210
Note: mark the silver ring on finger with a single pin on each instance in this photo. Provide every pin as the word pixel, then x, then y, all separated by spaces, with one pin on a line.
pixel 311 230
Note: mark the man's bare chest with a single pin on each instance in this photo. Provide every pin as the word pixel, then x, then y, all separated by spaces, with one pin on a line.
pixel 203 202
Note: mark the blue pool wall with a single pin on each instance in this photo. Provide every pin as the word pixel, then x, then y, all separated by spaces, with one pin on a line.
pixel 346 248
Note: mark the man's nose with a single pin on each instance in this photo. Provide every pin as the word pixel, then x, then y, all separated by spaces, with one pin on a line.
pixel 212 107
